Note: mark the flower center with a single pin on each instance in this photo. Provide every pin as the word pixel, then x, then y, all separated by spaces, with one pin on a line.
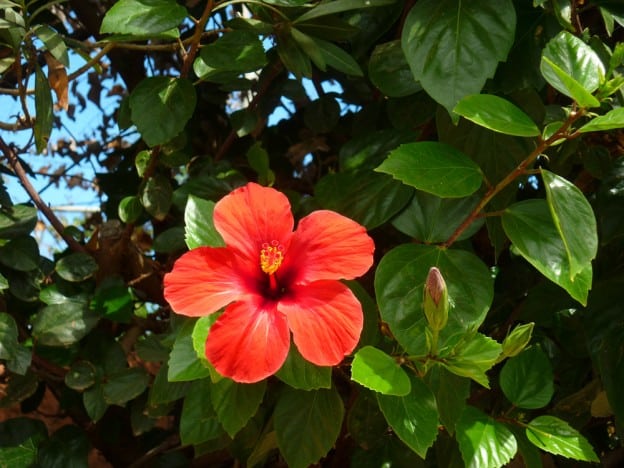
pixel 271 256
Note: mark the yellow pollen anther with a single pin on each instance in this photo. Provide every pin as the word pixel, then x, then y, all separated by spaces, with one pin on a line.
pixel 271 256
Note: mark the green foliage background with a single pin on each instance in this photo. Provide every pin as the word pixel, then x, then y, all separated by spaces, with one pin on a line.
pixel 481 138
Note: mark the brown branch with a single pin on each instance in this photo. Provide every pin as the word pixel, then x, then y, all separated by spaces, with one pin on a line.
pixel 20 86
pixel 9 153
pixel 96 58
pixel 196 39
pixel 520 170
pixel 21 124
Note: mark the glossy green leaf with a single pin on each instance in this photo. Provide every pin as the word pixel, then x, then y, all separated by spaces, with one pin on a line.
pixel 19 441
pixel 81 375
pixel 63 324
pixel 8 336
pixel 527 379
pixel 473 357
pixel 43 106
pixel 435 168
pixel 380 372
pixel 124 385
pixel 236 403
pixel 21 254
pixel 575 221
pixel 307 424
pixel 113 300
pixel 235 51
pixel 389 72
pixel 309 47
pixel 161 106
pixel 170 240
pixel 530 227
pixel 368 198
pixel 338 58
pixel 156 196
pixel 484 442
pixel 448 50
pixel 451 392
pixel 339 6
pixel 162 391
pixel 399 282
pixel 555 436
pixel 258 159
pixel 365 421
pixel 68 447
pixel 431 219
pixel 94 403
pixel 198 422
pixel 414 417
pixel 53 42
pixel 293 58
pixel 184 363
pixel 4 283
pixel 199 227
pixel 17 221
pixel 572 68
pixel 143 17
pixel 613 119
pixel 76 267
pixel 497 114
pixel 302 374
pixel 129 209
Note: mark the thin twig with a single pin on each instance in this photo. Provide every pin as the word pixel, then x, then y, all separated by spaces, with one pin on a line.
pixel 513 175
pixel 196 39
pixel 21 124
pixel 96 58
pixel 34 196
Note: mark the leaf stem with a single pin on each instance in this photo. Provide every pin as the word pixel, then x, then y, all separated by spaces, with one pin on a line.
pixel 520 170
pixel 196 39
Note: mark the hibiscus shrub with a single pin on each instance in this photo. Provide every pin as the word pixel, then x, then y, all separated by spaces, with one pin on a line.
pixel 336 232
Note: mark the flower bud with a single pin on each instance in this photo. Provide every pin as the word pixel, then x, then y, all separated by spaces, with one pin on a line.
pixel 436 302
pixel 518 339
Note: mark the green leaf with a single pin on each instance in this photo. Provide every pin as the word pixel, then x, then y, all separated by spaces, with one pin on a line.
pixel 572 68
pixel 142 162
pixel 376 370
pixel 414 417
pixel 613 119
pixel 236 403
pixel 8 336
pixel 527 379
pixel 170 240
pixel 258 159
pixel 399 282
pixel 307 424
pixel 156 196
pixel 4 283
pixel 183 361
pixel 63 324
pixel 431 219
pixel 337 58
pixel 497 114
pixel 473 357
pixel 130 208
pixel 162 391
pixel 19 440
pixel 389 72
pixel 235 51
pixel 451 392
pixel 365 421
pixel 161 106
pixel 435 168
pixel 43 106
pixel 453 46
pixel 17 221
pixel 368 198
pixel 530 227
pixel 143 17
pixel 21 254
pixel 53 42
pixel 81 375
pixel 293 58
pixel 198 422
pixel 483 442
pixel 199 227
pixel 338 6
pixel 68 447
pixel 555 436
pixel 309 47
pixel 575 221
pixel 124 385
pixel 302 374
pixel 94 403
pixel 113 300
pixel 76 267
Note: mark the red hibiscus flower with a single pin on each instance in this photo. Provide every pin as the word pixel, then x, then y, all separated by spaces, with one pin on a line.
pixel 273 281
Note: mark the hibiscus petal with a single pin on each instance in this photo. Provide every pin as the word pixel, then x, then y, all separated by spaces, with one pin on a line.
pixel 328 246
pixel 326 321
pixel 206 279
pixel 249 342
pixel 252 215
